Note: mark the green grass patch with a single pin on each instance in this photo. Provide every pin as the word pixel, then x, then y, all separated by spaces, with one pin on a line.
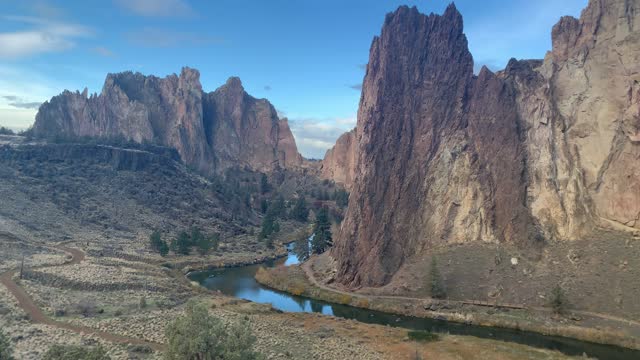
pixel 423 336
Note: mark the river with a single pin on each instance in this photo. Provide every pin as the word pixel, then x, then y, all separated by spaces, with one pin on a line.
pixel 239 282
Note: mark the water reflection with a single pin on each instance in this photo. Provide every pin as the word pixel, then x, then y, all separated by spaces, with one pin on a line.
pixel 240 282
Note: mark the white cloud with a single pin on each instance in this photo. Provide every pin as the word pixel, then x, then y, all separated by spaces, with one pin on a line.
pixel 157 8
pixel 44 36
pixel 315 136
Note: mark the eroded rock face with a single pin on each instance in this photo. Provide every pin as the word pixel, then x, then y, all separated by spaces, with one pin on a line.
pixel 542 150
pixel 339 163
pixel 211 131
pixel 439 159
pixel 580 109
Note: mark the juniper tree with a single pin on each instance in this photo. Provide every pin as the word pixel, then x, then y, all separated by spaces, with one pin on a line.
pixel 322 239
pixel 199 335
pixel 155 240
pixel 300 211
pixel 437 288
pixel 558 300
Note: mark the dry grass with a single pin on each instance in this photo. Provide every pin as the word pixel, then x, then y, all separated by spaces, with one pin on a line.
pixel 293 280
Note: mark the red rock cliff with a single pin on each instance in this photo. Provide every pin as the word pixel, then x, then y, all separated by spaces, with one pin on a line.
pixel 211 131
pixel 544 150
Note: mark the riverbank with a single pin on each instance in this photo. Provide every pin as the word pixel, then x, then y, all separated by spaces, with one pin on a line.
pixel 299 280
pixel 77 300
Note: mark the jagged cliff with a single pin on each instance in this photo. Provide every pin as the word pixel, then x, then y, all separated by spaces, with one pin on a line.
pixel 542 151
pixel 339 163
pixel 210 131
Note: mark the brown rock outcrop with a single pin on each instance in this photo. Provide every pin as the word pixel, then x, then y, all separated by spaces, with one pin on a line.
pixel 541 150
pixel 339 163
pixel 210 131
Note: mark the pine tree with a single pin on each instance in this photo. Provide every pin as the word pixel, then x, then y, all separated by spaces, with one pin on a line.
pixel 342 198
pixel 301 246
pixel 558 300
pixel 322 239
pixel 183 243
pixel 278 207
pixel 155 240
pixel 300 211
pixel 163 249
pixel 206 243
pixel 264 184
pixel 264 206
pixel 267 226
pixel 437 286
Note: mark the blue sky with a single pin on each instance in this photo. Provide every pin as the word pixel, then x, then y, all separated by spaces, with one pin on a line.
pixel 305 56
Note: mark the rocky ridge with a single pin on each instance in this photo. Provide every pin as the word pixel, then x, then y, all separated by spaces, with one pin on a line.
pixel 545 150
pixel 211 131
pixel 339 161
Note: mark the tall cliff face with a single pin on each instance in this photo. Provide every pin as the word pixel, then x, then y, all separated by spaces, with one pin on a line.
pixel 438 159
pixel 541 150
pixel 210 131
pixel 580 108
pixel 339 163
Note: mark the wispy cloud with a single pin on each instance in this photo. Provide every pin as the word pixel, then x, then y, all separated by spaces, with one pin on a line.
pixel 157 8
pixel 44 36
pixel 20 103
pixel 315 136
pixel 21 89
pixel 102 51
pixel 267 88
pixel 46 10
pixel 160 38
pixel 356 86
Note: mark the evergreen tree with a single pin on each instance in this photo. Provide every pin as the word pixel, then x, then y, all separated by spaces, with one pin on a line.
pixel 264 184
pixel 264 206
pixel 558 300
pixel 196 237
pixel 164 249
pixel 278 207
pixel 183 243
pixel 301 246
pixel 437 285
pixel 267 226
pixel 206 243
pixel 155 240
pixel 322 239
pixel 300 211
pixel 342 198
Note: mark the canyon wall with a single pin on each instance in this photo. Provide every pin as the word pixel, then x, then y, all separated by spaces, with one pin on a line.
pixel 210 131
pixel 339 163
pixel 545 150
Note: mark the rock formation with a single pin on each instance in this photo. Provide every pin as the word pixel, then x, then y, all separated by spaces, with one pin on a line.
pixel 542 151
pixel 210 131
pixel 339 163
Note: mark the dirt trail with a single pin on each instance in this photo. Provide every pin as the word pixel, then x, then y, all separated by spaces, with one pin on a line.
pixel 306 266
pixel 36 315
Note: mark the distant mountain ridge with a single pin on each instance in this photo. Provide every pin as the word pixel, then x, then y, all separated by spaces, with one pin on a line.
pixel 211 131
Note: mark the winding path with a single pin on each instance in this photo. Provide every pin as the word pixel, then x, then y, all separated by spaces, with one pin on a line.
pixel 306 266
pixel 26 303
